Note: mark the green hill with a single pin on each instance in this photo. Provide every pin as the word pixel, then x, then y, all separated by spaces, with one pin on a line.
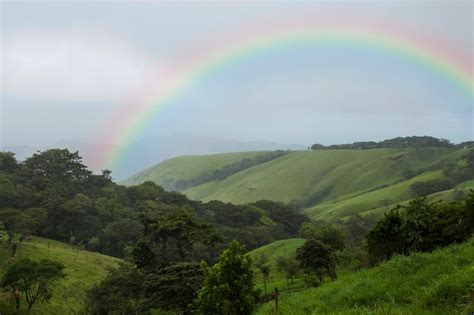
pixel 278 248
pixel 83 269
pixel 428 283
pixel 330 184
pixel 168 172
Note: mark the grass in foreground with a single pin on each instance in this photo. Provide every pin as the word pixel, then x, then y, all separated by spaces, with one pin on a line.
pixel 422 283
pixel 83 270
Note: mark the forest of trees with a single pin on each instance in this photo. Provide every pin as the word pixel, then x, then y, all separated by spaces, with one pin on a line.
pixel 395 143
pixel 53 195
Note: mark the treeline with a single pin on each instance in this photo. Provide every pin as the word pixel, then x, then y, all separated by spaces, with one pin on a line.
pixel 224 172
pixel 395 143
pixel 53 195
pixel 421 226
pixel 453 174
pixel 363 241
pixel 163 274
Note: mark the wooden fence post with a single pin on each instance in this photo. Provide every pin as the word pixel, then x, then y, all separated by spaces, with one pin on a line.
pixel 277 297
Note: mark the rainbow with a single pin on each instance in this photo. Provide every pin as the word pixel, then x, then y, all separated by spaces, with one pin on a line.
pixel 418 49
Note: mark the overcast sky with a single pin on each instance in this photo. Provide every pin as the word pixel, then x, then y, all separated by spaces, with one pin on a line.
pixel 68 67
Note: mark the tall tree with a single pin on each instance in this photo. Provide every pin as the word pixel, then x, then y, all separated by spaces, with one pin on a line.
pixel 262 264
pixel 176 233
pixel 229 286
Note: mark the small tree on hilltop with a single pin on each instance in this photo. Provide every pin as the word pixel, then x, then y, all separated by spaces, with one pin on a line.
pixel 229 286
pixel 33 279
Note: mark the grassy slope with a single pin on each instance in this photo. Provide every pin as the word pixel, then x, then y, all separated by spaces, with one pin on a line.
pixel 299 175
pixel 446 195
pixel 283 248
pixel 186 167
pixel 278 248
pixel 428 283
pixel 83 270
pixel 349 181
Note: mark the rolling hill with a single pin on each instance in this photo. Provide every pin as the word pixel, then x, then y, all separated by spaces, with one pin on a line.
pixel 329 184
pixel 83 269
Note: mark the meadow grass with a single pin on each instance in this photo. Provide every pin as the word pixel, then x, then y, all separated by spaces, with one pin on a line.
pixel 187 167
pixel 422 283
pixel 83 269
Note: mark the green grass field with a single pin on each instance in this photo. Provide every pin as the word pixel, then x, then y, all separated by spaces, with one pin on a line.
pixel 333 183
pixel 186 167
pixel 283 248
pixel 83 270
pixel 277 248
pixel 428 283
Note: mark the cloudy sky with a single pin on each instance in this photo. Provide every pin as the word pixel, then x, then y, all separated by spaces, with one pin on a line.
pixel 68 67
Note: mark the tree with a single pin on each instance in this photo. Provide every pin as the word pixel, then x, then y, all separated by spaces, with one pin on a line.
pixel 421 226
pixel 289 216
pixel 229 286
pixel 387 237
pixel 317 257
pixel 261 262
pixel 176 233
pixel 8 161
pixel 58 165
pixel 118 233
pixel 288 265
pixel 121 292
pixel 33 279
pixel 173 287
pixel 329 234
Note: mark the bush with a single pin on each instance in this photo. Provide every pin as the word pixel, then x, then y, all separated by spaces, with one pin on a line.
pixel 429 187
pixel 422 226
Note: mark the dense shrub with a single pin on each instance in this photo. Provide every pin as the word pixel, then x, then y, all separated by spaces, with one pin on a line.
pixel 421 226
pixel 429 187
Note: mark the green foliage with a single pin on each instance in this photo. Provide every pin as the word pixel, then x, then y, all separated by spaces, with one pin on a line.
pixel 399 142
pixel 387 238
pixel 174 235
pixel 120 293
pixel 173 287
pixel 70 204
pixel 316 257
pixel 329 234
pixel 33 279
pixel 229 285
pixel 262 264
pixel 421 226
pixel 288 265
pixel 288 216
pixel 429 187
